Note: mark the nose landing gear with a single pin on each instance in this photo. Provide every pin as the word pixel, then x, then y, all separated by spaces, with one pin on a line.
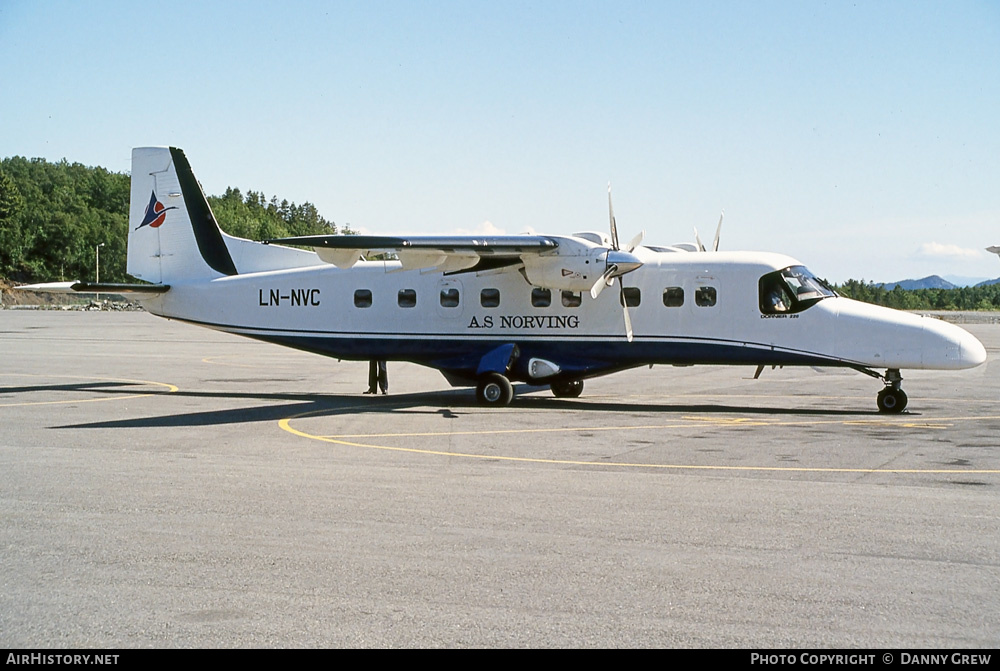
pixel 892 399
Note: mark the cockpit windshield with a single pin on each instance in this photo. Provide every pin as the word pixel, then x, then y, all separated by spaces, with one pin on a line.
pixel 793 289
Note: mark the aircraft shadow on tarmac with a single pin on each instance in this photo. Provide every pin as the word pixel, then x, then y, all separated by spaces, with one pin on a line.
pixel 450 404
pixel 110 387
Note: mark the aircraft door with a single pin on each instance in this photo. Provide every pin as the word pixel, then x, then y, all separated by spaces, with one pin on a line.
pixel 711 312
pixel 451 298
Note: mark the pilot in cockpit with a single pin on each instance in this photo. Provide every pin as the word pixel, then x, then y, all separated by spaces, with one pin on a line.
pixel 778 299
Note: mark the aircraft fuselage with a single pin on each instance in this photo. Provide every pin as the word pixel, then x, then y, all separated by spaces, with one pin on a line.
pixel 685 308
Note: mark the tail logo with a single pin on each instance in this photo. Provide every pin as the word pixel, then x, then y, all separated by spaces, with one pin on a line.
pixel 156 213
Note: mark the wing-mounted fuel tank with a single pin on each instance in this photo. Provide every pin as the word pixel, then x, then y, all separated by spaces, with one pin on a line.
pixel 577 265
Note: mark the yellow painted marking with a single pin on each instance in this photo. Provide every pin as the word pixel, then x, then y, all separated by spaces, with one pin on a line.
pixel 503 431
pixel 170 389
pixel 688 422
pixel 731 421
pixel 285 424
pixel 214 360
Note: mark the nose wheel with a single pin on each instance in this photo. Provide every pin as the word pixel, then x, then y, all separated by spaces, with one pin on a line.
pixel 892 399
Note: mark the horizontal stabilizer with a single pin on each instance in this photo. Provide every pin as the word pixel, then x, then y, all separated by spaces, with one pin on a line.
pixel 75 287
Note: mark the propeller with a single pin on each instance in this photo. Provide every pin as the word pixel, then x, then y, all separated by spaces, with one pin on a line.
pixel 715 243
pixel 718 230
pixel 619 262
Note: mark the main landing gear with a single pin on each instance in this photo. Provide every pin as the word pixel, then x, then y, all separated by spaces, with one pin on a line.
pixel 567 388
pixel 892 399
pixel 494 389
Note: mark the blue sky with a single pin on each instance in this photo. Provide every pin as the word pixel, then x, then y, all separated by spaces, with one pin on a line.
pixel 861 138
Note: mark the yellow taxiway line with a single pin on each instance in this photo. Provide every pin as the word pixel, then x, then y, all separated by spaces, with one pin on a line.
pixel 936 423
pixel 170 389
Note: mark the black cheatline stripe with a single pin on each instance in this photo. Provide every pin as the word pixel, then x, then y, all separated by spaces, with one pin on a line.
pixel 267 331
pixel 206 231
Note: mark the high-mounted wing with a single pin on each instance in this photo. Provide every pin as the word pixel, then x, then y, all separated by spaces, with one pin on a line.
pixel 447 254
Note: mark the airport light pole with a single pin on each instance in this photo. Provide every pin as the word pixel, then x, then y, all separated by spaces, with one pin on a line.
pixel 97 267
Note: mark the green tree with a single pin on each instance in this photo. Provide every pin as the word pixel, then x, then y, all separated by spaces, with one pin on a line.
pixel 54 215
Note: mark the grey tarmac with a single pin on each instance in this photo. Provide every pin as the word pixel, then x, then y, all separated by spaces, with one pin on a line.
pixel 168 486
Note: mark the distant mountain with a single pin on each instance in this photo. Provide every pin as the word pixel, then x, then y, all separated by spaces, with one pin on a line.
pixel 932 282
pixel 962 281
pixel 989 282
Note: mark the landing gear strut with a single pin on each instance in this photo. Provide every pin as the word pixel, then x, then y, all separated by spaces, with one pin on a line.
pixel 892 399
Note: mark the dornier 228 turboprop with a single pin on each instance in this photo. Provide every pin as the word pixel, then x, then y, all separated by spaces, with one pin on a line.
pixel 488 311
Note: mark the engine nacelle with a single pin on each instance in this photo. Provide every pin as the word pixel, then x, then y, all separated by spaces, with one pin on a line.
pixel 574 266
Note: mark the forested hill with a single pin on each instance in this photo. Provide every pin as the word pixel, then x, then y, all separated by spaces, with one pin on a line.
pixel 980 297
pixel 54 215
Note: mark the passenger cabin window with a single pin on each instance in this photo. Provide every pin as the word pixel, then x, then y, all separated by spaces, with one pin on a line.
pixel 571 299
pixel 541 298
pixel 705 297
pixel 489 298
pixel 630 297
pixel 790 290
pixel 673 297
pixel 362 298
pixel 449 298
pixel 407 298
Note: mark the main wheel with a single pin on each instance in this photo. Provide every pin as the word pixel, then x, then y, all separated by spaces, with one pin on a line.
pixel 891 400
pixel 567 388
pixel 494 389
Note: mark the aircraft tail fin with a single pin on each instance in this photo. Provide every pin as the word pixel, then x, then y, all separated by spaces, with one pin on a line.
pixel 173 235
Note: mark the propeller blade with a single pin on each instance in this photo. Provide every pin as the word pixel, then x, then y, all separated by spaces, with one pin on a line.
pixel 628 320
pixel 602 281
pixel 718 230
pixel 614 227
pixel 697 240
pixel 635 242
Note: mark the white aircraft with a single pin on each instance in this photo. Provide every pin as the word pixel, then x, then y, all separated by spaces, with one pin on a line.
pixel 487 311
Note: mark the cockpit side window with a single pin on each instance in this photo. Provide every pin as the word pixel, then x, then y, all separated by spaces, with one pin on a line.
pixel 791 290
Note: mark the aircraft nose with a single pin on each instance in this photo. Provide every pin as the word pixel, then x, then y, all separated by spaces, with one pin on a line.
pixel 964 349
pixel 971 352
